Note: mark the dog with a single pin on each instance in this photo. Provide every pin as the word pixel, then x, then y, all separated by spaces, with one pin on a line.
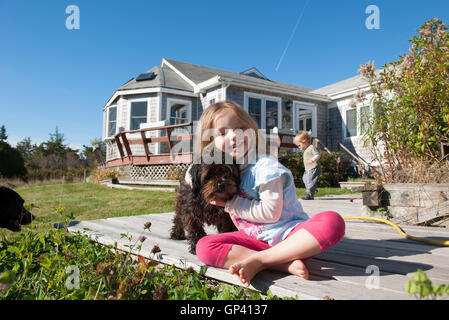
pixel 12 212
pixel 192 207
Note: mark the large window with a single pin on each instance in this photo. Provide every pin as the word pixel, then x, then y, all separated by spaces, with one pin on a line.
pixel 264 110
pixel 112 121
pixel 138 114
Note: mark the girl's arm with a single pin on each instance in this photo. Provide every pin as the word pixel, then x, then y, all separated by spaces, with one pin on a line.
pixel 267 210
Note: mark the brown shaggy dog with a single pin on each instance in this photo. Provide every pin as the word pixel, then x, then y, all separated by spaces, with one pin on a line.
pixel 192 207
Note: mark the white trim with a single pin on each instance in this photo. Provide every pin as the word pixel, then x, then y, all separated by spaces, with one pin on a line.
pixel 171 101
pixel 348 92
pixel 254 70
pixel 107 121
pixel 147 90
pixel 263 98
pixel 179 73
pixel 212 82
pixel 308 106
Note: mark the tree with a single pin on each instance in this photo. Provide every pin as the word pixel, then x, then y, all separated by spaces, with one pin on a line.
pixel 410 99
pixel 11 162
pixel 3 136
pixel 26 148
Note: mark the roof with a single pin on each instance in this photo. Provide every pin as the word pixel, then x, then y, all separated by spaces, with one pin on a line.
pixel 347 84
pixel 200 74
pixel 165 77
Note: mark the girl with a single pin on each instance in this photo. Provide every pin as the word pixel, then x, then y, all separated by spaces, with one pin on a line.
pixel 274 231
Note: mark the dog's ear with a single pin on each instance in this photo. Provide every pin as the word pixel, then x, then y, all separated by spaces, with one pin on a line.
pixel 195 174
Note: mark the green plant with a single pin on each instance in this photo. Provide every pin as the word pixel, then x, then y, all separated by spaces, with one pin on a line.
pixel 331 172
pixel 410 101
pixel 421 287
pixel 58 265
pixel 384 213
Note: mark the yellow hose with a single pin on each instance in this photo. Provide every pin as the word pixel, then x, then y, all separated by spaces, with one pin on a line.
pixel 434 242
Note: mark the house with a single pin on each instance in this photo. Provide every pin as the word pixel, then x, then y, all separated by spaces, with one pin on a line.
pixel 176 93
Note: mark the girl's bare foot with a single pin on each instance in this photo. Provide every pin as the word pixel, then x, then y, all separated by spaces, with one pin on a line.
pixel 246 270
pixel 298 268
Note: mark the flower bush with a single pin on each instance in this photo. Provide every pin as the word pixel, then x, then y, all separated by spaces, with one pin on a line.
pixel 409 124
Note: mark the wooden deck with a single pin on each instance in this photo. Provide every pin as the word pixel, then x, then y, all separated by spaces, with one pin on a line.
pixel 343 272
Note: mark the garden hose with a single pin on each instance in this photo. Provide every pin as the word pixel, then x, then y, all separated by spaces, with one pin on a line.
pixel 407 236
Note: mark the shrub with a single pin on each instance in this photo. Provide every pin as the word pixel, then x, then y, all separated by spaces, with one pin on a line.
pixel 410 99
pixel 330 175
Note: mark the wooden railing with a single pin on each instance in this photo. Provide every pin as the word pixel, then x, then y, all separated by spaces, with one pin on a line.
pixel 127 157
pixel 124 144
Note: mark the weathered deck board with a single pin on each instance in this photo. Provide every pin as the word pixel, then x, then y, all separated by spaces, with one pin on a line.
pixel 340 272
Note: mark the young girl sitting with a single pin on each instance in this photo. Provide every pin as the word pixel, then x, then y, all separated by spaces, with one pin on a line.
pixel 274 231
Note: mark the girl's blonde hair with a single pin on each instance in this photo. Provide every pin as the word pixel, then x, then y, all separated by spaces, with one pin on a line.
pixel 207 120
pixel 302 137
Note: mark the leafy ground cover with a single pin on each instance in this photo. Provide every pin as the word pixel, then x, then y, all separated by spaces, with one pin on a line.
pixel 58 265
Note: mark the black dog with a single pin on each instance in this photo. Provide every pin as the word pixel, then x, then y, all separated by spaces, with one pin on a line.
pixel 192 207
pixel 12 212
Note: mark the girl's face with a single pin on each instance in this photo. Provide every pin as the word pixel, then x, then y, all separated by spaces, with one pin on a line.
pixel 226 122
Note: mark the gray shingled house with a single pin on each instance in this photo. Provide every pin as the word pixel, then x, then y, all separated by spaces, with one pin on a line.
pixel 177 92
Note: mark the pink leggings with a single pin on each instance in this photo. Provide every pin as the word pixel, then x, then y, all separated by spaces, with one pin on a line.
pixel 327 227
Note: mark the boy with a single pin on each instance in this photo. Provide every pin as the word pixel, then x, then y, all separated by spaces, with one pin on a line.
pixel 312 167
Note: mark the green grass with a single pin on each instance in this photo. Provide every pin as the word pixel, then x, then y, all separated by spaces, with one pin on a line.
pixel 89 201
pixel 323 192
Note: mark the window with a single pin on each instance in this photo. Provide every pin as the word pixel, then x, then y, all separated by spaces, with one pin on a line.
pixel 265 110
pixel 357 119
pixel 138 114
pixel 178 114
pixel 351 122
pixel 112 121
pixel 271 114
pixel 255 109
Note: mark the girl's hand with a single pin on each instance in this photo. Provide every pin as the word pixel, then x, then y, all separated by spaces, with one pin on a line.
pixel 310 161
pixel 219 203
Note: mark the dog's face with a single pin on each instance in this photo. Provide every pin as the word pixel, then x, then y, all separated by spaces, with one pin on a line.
pixel 12 212
pixel 219 181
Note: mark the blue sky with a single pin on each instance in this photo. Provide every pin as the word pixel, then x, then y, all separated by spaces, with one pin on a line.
pixel 51 76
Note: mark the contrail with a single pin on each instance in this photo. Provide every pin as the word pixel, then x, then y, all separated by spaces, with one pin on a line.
pixel 293 34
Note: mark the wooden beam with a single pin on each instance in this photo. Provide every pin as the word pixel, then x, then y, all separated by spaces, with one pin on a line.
pixel 119 145
pixel 126 144
pixel 145 145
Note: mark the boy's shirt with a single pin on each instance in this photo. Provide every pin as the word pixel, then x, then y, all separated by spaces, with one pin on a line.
pixel 311 153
